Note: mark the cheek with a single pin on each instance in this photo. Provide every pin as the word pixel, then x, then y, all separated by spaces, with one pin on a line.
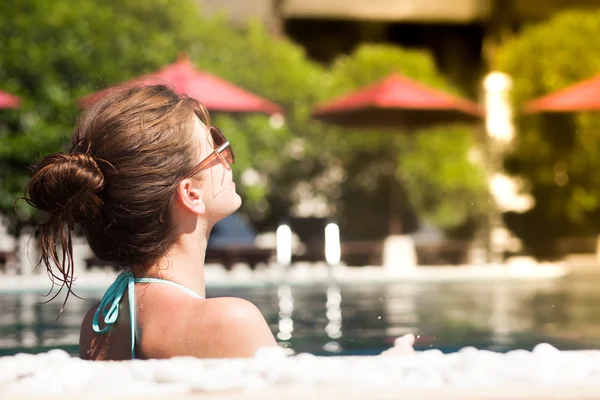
pixel 220 187
pixel 226 177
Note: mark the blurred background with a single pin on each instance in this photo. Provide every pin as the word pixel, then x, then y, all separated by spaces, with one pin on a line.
pixel 300 53
pixel 491 171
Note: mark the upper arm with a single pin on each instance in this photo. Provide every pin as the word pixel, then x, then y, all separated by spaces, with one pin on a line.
pixel 86 335
pixel 238 328
pixel 91 346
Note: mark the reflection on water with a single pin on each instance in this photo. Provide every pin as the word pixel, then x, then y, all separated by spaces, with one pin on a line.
pixel 286 307
pixel 365 319
pixel 25 323
pixel 333 312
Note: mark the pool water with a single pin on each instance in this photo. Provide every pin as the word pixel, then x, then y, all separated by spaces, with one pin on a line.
pixel 364 319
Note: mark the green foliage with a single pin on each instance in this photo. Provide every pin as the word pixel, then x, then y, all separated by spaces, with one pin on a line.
pixel 371 62
pixel 439 181
pixel 445 186
pixel 558 155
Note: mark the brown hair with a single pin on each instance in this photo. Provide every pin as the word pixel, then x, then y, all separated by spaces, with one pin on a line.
pixel 129 151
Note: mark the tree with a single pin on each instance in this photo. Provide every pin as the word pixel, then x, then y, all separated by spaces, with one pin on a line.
pixel 557 155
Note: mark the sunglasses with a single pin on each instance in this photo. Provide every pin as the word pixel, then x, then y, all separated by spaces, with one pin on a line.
pixel 222 151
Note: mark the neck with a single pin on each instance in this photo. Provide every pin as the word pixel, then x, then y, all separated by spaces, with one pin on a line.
pixel 184 262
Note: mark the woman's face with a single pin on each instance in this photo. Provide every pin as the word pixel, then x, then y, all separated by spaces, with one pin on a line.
pixel 218 188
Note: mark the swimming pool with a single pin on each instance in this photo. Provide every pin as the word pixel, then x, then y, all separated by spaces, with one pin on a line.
pixel 364 319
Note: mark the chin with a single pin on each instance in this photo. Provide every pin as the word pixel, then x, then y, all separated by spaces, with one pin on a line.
pixel 237 202
pixel 234 205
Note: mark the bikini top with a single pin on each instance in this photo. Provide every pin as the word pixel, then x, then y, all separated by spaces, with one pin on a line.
pixel 109 305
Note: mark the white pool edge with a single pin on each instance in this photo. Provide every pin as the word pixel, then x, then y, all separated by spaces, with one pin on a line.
pixel 544 373
pixel 217 277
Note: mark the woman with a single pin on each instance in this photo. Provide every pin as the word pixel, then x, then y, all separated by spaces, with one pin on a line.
pixel 146 179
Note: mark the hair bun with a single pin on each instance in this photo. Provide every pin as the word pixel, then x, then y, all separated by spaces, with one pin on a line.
pixel 67 184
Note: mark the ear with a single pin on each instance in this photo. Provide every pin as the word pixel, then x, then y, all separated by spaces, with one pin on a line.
pixel 189 195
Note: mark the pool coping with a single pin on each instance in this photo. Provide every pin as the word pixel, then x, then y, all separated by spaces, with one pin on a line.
pixel 245 278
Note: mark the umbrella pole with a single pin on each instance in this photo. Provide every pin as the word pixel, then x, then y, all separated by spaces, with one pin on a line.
pixel 399 255
pixel 395 222
pixel 395 206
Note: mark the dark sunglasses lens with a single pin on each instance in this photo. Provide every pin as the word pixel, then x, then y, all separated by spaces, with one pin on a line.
pixel 219 140
pixel 217 137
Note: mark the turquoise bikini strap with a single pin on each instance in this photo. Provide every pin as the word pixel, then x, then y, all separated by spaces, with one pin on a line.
pixel 155 280
pixel 109 305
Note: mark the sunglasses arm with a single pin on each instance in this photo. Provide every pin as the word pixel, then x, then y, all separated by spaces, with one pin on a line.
pixel 215 154
pixel 202 165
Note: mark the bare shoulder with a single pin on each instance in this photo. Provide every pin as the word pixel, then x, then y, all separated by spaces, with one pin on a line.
pixel 234 327
pixel 229 309
pixel 224 327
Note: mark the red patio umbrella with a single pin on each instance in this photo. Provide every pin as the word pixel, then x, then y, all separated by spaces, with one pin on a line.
pixel 9 101
pixel 582 96
pixel 397 102
pixel 400 103
pixel 214 93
